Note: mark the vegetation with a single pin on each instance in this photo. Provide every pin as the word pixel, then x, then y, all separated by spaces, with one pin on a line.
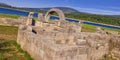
pixel 24 52
pixel 9 49
pixel 111 29
pixel 88 28
pixel 108 58
pixel 96 18
pixel 5 5
pixel 8 32
pixel 113 20
pixel 9 16
pixel 91 28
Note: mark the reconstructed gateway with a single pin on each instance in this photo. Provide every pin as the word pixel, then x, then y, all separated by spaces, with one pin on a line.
pixel 61 40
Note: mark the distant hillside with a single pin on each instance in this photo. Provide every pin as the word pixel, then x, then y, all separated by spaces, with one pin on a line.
pixel 106 19
pixel 64 9
pixel 72 13
pixel 116 16
pixel 4 5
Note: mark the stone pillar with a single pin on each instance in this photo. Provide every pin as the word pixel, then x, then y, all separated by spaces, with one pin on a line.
pixel 80 25
pixel 41 17
pixel 30 17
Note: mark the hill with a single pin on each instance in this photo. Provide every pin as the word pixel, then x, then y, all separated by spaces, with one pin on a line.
pixel 4 5
pixel 106 19
pixel 66 10
pixel 118 16
pixel 72 13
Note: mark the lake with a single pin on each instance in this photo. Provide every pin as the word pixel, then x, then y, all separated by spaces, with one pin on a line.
pixel 24 13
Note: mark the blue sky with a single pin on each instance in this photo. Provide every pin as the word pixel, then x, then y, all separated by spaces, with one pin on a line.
pixel 108 7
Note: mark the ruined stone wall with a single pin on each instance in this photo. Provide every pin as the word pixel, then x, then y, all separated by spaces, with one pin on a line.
pixel 88 46
pixel 62 40
pixel 42 49
pixel 115 47
pixel 12 22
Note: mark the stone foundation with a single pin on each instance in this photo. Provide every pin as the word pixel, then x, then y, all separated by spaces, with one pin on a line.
pixel 42 49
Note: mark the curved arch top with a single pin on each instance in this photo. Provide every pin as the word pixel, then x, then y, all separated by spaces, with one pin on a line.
pixel 53 10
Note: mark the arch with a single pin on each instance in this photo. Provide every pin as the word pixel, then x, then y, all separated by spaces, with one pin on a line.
pixel 29 19
pixel 53 10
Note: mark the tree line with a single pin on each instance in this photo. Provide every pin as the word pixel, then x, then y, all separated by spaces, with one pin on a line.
pixel 96 18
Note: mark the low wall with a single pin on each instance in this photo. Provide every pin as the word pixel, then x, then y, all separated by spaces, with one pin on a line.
pixel 42 49
pixel 12 22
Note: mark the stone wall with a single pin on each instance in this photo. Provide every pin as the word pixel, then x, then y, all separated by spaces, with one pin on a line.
pixel 47 45
pixel 42 49
pixel 12 22
pixel 62 40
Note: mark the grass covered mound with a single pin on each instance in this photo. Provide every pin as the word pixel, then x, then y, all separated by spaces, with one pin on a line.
pixel 9 49
pixel 9 16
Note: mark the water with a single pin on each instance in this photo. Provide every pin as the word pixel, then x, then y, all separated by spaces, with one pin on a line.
pixel 23 13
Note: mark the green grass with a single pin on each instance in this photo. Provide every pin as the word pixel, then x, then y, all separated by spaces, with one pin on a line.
pixel 35 18
pixel 91 28
pixel 108 58
pixel 51 20
pixel 8 32
pixel 9 16
pixel 111 29
pixel 9 49
pixel 20 50
pixel 88 28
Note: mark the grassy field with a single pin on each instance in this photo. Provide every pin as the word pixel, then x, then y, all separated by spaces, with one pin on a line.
pixel 8 32
pixel 9 16
pixel 88 28
pixel 9 49
pixel 91 28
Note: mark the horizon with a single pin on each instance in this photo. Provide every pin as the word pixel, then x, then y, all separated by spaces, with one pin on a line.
pixel 89 6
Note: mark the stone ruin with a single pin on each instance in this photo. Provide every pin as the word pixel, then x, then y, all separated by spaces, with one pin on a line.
pixel 61 40
pixel 11 21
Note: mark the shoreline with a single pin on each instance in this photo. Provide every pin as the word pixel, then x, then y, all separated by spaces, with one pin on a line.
pixel 15 9
pixel 72 19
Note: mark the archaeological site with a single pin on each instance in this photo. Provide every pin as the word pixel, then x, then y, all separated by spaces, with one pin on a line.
pixel 62 40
